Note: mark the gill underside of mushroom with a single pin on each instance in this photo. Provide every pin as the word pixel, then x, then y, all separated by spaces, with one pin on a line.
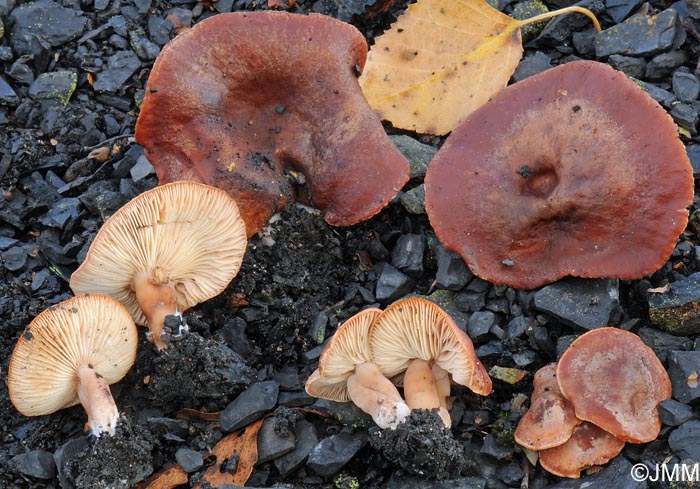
pixel 97 400
pixel 377 396
pixel 422 390
pixel 156 296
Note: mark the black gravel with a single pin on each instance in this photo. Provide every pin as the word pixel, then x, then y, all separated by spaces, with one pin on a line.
pixel 72 79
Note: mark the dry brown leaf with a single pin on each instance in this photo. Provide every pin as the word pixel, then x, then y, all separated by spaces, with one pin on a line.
pixel 193 414
pixel 440 61
pixel 242 443
pixel 168 478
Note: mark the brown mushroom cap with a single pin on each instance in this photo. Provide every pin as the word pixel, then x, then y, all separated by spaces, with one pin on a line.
pixel 242 99
pixel 616 382
pixel 187 234
pixel 561 174
pixel 92 330
pixel 551 420
pixel 348 348
pixel 588 446
pixel 417 328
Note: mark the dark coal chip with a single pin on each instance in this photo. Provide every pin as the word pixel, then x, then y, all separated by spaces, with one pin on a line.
pixel 190 460
pixel 254 402
pixel 330 455
pixel 35 463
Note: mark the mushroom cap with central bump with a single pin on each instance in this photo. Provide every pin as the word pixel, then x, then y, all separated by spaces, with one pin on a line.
pixel 417 328
pixel 616 382
pixel 574 171
pixel 245 101
pixel 92 330
pixel 186 234
pixel 551 420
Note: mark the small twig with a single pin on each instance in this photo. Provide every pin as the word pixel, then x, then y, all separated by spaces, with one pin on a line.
pixel 109 140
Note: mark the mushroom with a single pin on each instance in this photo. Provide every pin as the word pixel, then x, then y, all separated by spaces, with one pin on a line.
pixel 258 102
pixel 167 250
pixel 561 174
pixel 346 372
pixel 589 445
pixel 412 336
pixel 70 354
pixel 616 382
pixel 551 420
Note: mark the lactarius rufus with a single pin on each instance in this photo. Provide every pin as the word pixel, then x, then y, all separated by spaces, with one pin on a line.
pixel 416 338
pixel 346 372
pixel 565 173
pixel 263 104
pixel 165 251
pixel 70 354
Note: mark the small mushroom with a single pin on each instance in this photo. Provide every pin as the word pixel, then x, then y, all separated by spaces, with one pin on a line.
pixel 587 446
pixel 561 174
pixel 551 420
pixel 412 336
pixel 167 250
pixel 346 372
pixel 616 382
pixel 70 354
pixel 258 103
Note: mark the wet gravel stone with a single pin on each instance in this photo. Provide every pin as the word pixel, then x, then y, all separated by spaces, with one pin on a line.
pixel 678 310
pixel 306 439
pixel 7 95
pixel 683 369
pixel 531 65
pixel 399 481
pixel 120 67
pixel 35 463
pixel 685 440
pixel 619 10
pixel 662 65
pixel 254 402
pixel 421 445
pixel 663 343
pixel 617 474
pixel 641 35
pixel 452 273
pixel 408 253
pixel 686 116
pixel 333 452
pixel 345 412
pixel 674 413
pixel 630 66
pixel 495 449
pixel 271 443
pixel 480 324
pixel 56 85
pixel 45 20
pixel 662 96
pixel 417 153
pixel 413 200
pixel 686 86
pixel 190 460
pixel 587 303
pixel 392 285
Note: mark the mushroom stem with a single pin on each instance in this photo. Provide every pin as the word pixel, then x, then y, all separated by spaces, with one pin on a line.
pixel 443 384
pixel 377 396
pixel 157 299
pixel 421 390
pixel 97 400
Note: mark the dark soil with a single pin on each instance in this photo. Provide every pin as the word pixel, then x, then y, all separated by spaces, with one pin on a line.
pixel 296 285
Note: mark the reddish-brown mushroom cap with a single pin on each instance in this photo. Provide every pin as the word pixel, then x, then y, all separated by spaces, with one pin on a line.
pixel 243 99
pixel 564 173
pixel 616 382
pixel 588 446
pixel 551 420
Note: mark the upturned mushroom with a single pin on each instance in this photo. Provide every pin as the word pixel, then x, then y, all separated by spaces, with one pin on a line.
pixel 70 354
pixel 346 372
pixel 551 420
pixel 613 380
pixel 564 173
pixel 417 339
pixel 165 251
pixel 263 104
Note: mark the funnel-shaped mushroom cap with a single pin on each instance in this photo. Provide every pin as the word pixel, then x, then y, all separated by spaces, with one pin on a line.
pixel 92 330
pixel 616 382
pixel 348 348
pixel 242 99
pixel 186 234
pixel 417 328
pixel 551 420
pixel 588 446
pixel 562 174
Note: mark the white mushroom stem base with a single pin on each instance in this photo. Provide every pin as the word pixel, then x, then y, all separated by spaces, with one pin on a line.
pixel 421 389
pixel 377 396
pixel 97 400
pixel 157 299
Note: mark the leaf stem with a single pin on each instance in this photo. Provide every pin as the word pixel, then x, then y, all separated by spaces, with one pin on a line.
pixel 563 11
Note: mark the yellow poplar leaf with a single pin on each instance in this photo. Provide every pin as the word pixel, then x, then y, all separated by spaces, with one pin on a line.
pixel 440 61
